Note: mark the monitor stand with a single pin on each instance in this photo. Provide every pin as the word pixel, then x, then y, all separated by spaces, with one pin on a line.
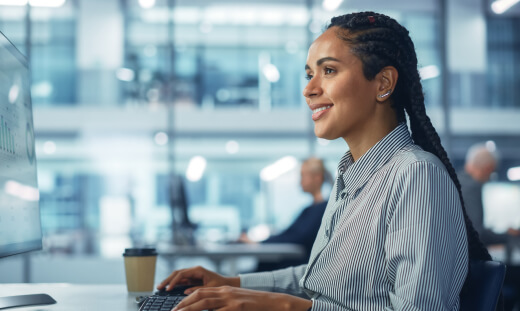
pixel 25 300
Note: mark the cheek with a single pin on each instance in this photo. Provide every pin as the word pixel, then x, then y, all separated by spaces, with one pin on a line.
pixel 336 90
pixel 345 96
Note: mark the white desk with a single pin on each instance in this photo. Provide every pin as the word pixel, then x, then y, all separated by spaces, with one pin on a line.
pixel 74 297
pixel 230 252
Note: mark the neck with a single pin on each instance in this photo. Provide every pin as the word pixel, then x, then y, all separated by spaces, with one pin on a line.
pixel 317 197
pixel 367 138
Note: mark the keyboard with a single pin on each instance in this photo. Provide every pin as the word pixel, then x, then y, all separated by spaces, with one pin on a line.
pixel 163 300
pixel 160 303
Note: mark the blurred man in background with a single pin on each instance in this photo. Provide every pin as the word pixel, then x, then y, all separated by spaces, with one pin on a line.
pixel 304 229
pixel 481 162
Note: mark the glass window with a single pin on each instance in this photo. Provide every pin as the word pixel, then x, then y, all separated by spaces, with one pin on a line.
pixel 247 55
pixel 52 49
pixel 53 60
pixel 503 62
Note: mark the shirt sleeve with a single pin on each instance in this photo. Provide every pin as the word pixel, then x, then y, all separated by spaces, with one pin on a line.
pixel 426 244
pixel 279 281
pixel 320 305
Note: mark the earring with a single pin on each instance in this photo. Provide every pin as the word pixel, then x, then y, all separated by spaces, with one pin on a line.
pixel 385 94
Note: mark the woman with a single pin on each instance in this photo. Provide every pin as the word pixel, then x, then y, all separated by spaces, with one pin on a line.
pixel 395 235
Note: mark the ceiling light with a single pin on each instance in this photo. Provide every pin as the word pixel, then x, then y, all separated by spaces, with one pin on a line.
pixel 47 3
pixel 161 138
pixel 232 147
pixel 500 6
pixel 49 147
pixel 429 72
pixel 331 5
pixel 278 168
pixel 147 4
pixel 125 74
pixel 196 168
pixel 271 73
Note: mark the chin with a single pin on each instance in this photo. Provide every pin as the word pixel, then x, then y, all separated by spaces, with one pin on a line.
pixel 323 134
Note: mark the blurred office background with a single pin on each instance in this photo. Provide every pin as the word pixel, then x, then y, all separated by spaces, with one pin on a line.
pixel 129 93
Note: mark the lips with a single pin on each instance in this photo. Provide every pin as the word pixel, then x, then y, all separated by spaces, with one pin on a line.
pixel 318 111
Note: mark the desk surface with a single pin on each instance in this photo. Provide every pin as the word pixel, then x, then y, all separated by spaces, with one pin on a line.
pixel 75 297
pixel 115 297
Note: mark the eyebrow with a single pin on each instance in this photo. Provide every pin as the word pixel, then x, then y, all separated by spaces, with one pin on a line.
pixel 322 60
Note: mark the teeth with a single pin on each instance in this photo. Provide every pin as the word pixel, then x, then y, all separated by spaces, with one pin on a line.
pixel 320 109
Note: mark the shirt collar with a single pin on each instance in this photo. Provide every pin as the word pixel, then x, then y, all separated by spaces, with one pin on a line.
pixel 355 174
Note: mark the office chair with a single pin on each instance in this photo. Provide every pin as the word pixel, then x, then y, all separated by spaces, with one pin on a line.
pixel 484 285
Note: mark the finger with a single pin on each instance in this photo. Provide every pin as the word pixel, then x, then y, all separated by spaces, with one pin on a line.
pixel 199 295
pixel 192 289
pixel 187 275
pixel 181 277
pixel 186 281
pixel 172 277
pixel 204 304
pixel 167 280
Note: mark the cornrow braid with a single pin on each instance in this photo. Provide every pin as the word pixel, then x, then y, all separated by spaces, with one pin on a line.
pixel 380 41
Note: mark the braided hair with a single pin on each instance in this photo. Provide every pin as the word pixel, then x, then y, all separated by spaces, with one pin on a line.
pixel 379 41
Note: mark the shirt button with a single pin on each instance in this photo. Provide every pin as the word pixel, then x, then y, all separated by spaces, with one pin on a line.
pixel 327 232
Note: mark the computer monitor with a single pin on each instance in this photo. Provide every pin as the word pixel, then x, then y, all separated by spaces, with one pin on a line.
pixel 182 227
pixel 501 203
pixel 20 224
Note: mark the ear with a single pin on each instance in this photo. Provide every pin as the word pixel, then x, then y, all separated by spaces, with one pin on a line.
pixel 387 80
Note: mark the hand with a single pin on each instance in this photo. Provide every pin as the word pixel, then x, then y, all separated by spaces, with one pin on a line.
pixel 228 298
pixel 197 275
pixel 245 239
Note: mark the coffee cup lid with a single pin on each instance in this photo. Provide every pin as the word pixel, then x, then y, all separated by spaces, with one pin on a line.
pixel 140 252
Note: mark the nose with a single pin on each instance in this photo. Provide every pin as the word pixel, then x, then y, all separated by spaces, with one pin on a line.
pixel 312 88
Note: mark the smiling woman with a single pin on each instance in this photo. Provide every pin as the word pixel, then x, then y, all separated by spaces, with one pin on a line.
pixel 395 235
pixel 342 103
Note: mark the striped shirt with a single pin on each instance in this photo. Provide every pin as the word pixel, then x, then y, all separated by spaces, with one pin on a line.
pixel 392 236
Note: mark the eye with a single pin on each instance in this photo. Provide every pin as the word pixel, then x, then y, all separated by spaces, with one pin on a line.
pixel 329 70
pixel 308 77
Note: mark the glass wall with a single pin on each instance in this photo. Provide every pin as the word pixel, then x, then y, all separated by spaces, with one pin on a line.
pixel 504 62
pixel 216 55
pixel 50 43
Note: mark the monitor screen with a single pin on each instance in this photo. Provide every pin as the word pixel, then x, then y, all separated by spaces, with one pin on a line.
pixel 501 202
pixel 20 226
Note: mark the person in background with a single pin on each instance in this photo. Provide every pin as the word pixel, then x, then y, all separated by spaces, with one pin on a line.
pixel 481 162
pixel 304 229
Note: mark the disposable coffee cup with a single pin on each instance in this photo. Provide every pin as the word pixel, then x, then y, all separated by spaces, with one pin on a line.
pixel 140 270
